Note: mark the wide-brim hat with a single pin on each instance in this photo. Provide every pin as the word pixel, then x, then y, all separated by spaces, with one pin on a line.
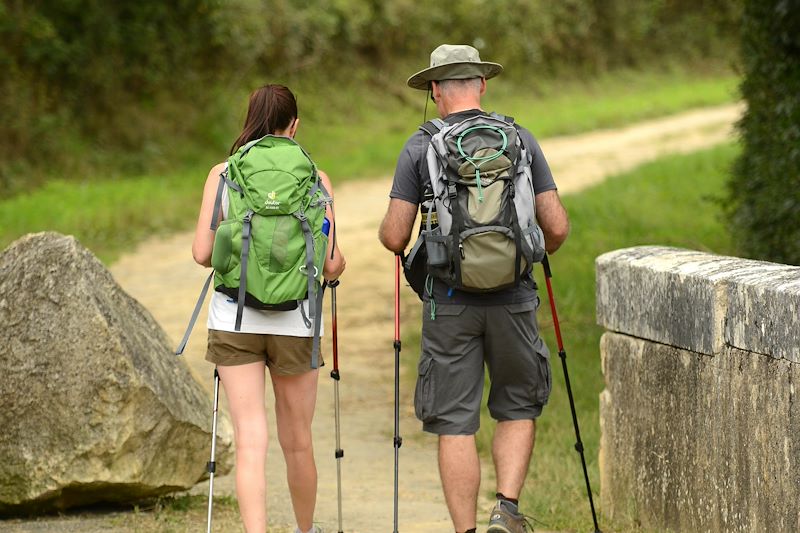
pixel 454 62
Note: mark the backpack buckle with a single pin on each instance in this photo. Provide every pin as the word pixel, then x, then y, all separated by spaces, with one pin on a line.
pixel 303 270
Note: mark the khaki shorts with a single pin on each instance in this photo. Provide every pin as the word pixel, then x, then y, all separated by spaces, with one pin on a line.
pixel 283 354
pixel 456 346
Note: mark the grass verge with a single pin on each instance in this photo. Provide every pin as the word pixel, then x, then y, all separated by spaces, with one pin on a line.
pixel 672 201
pixel 351 135
pixel 367 142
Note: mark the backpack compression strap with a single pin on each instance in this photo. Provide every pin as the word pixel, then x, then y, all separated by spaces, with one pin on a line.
pixel 314 296
pixel 246 228
pixel 317 326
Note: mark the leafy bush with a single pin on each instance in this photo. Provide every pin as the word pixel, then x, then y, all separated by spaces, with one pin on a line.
pixel 765 187
pixel 85 71
pixel 113 83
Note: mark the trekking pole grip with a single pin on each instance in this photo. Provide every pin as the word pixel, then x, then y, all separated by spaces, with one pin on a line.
pixel 546 265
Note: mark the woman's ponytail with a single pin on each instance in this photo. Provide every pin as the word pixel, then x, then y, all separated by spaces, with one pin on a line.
pixel 272 108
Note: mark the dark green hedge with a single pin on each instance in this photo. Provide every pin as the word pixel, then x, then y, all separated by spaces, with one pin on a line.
pixel 84 78
pixel 765 186
pixel 87 72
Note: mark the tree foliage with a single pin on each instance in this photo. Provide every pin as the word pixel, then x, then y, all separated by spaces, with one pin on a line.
pixel 78 69
pixel 128 76
pixel 765 186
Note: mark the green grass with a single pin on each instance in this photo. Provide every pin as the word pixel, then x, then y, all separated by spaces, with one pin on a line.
pixel 368 141
pixel 351 135
pixel 168 514
pixel 558 108
pixel 108 217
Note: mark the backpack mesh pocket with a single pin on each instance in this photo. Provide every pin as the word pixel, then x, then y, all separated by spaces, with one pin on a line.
pixel 227 251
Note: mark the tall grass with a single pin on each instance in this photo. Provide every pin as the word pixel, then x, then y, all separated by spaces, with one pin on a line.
pixel 350 135
pixel 109 217
pixel 366 142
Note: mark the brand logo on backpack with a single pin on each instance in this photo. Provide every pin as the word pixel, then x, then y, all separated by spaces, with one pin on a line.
pixel 483 201
pixel 271 202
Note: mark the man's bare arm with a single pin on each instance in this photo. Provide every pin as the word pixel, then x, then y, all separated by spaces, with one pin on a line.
pixel 395 230
pixel 552 219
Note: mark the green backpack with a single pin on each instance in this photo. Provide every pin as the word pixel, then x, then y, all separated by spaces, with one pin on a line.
pixel 269 251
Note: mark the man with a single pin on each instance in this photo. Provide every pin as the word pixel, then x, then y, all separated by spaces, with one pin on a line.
pixel 469 328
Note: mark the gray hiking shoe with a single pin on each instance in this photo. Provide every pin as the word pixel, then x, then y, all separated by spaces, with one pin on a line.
pixel 315 529
pixel 505 518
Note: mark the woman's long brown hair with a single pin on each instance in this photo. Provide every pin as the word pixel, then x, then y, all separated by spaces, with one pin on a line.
pixel 272 108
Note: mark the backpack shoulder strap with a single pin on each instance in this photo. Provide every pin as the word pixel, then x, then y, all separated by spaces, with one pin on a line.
pixel 224 179
pixel 504 118
pixel 433 126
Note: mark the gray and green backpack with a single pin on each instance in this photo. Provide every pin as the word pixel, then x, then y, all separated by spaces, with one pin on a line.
pixel 481 234
pixel 270 249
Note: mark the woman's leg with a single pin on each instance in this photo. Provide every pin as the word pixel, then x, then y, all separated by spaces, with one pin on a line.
pixel 295 398
pixel 244 388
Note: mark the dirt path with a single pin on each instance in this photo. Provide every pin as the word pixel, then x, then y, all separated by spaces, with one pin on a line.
pixel 162 276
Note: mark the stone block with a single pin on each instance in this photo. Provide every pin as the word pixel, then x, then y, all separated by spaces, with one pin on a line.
pixel 699 301
pixel 763 309
pixel 697 443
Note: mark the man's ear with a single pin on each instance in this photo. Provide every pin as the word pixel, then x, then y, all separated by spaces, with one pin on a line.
pixel 483 86
pixel 293 128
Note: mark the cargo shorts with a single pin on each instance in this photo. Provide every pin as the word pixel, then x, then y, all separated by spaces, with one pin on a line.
pixel 456 345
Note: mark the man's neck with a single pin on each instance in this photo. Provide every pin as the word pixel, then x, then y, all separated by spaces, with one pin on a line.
pixel 448 108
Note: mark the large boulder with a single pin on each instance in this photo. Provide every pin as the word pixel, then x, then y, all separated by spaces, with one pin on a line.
pixel 94 407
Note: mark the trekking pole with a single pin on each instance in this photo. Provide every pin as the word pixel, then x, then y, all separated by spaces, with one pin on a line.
pixel 339 453
pixel 563 355
pixel 212 465
pixel 398 441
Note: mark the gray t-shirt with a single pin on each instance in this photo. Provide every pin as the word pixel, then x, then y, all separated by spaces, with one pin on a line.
pixel 411 178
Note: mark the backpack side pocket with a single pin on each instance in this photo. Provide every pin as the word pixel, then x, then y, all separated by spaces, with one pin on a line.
pixel 227 250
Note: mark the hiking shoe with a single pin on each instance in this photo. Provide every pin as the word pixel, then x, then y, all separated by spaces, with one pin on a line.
pixel 315 529
pixel 505 518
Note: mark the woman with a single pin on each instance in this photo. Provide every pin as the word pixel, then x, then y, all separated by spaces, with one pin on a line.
pixel 281 339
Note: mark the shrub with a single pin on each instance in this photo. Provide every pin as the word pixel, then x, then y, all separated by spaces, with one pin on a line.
pixel 764 191
pixel 114 83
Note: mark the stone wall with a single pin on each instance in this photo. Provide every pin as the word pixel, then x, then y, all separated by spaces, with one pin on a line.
pixel 700 417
